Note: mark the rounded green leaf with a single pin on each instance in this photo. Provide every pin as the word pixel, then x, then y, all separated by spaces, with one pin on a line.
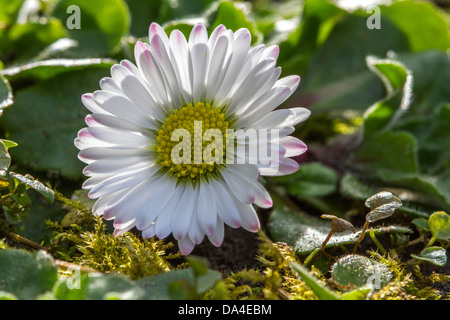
pixel 434 255
pixel 54 115
pixel 102 24
pixel 26 275
pixel 312 180
pixel 421 22
pixel 234 18
pixel 383 205
pixel 439 224
pixel 356 271
pixel 35 185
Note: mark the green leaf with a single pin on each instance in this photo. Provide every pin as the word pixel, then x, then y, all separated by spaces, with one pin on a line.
pixel 322 292
pixel 26 40
pixel 46 69
pixel 10 10
pixel 157 287
pixel 352 187
pixel 198 265
pixel 26 275
pixel 439 223
pixel 398 81
pixel 104 287
pixel 182 9
pixel 356 271
pixel 35 185
pixel 388 152
pixel 54 116
pixel 142 14
pixel 421 22
pixel 421 223
pixel 382 205
pixel 233 18
pixel 102 25
pixel 338 78
pixel 7 296
pixel 34 225
pixel 434 255
pixel 6 96
pixel 305 233
pixel 15 210
pixel 5 158
pixel 312 180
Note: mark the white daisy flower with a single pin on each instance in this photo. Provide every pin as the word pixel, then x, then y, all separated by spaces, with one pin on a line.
pixel 217 82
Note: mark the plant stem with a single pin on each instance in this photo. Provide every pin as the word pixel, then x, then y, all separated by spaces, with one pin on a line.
pixel 311 255
pixel 430 243
pixel 361 237
pixel 375 240
pixel 25 241
pixel 326 240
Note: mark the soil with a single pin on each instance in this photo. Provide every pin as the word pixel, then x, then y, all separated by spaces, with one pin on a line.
pixel 236 253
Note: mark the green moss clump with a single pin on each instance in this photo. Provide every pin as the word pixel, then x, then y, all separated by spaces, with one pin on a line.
pixel 84 239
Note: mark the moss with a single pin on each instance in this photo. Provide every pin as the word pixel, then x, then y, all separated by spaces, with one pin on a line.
pixel 83 238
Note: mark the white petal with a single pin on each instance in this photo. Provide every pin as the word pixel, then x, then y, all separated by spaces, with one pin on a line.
pixel 158 199
pixel 121 182
pixel 114 166
pixel 90 104
pixel 262 199
pixel 299 115
pixel 206 208
pixel 271 52
pixel 149 232
pixel 108 120
pixel 179 55
pixel 291 82
pixel 119 232
pixel 215 35
pixel 161 54
pixel 112 208
pixel 242 40
pixel 226 209
pixel 183 212
pixel 108 84
pixel 96 153
pixel 199 34
pixel 139 95
pixel 273 119
pixel 251 84
pixel 156 29
pixel 114 136
pixel 123 108
pixel 196 234
pixel 250 220
pixel 150 70
pixel 262 106
pixel 248 171
pixel 103 202
pixel 220 60
pixel 186 245
pixel 200 61
pixel 293 146
pixel 163 225
pixel 239 186
pixel 219 232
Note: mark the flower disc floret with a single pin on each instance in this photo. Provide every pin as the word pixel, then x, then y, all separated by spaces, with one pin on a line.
pixel 200 121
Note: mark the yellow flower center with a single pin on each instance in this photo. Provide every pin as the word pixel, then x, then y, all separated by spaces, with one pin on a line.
pixel 191 142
